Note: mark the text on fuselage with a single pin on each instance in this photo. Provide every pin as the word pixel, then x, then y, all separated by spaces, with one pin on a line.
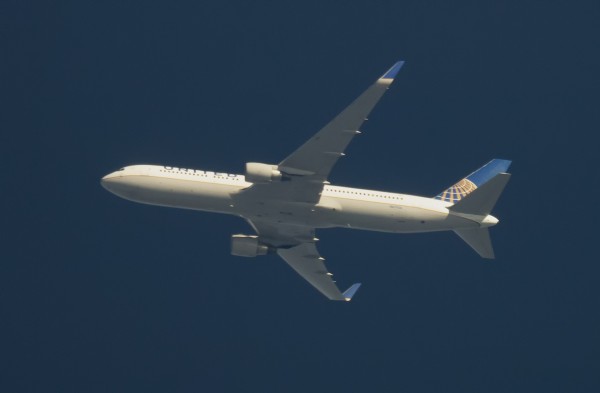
pixel 199 171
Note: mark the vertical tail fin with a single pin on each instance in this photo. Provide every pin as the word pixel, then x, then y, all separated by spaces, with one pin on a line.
pixel 474 197
pixel 479 204
pixel 473 181
pixel 481 201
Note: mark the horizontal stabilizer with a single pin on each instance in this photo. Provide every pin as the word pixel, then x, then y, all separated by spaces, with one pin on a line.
pixel 348 293
pixel 481 201
pixel 478 239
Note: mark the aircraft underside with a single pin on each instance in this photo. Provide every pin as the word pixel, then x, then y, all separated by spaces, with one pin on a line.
pixel 284 203
pixel 327 213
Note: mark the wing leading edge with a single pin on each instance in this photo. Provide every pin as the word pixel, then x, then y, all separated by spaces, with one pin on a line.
pixel 319 154
pixel 309 166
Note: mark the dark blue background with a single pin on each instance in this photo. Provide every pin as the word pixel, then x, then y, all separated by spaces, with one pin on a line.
pixel 102 295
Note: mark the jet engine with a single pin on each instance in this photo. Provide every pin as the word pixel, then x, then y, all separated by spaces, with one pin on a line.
pixel 247 246
pixel 262 173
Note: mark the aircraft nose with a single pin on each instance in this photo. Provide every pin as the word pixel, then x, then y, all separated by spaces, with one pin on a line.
pixel 109 180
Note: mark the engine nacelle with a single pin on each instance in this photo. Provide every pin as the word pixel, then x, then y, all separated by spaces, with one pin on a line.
pixel 262 173
pixel 247 246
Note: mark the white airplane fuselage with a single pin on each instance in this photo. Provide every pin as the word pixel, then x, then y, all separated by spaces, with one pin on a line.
pixel 337 207
pixel 286 202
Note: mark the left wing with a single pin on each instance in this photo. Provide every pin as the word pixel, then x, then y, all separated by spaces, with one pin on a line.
pixel 319 154
pixel 295 244
pixel 309 166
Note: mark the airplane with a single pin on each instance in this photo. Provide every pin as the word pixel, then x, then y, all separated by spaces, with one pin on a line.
pixel 285 203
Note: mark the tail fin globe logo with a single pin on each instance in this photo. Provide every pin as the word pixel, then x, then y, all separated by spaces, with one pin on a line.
pixel 474 180
pixel 457 191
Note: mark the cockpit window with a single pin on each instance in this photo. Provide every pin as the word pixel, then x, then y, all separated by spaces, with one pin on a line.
pixel 122 169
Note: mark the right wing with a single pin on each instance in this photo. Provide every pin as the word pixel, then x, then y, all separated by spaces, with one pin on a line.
pixel 306 261
pixel 296 245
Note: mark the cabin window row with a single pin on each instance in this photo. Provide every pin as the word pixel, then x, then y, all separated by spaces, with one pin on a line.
pixel 366 193
pixel 202 174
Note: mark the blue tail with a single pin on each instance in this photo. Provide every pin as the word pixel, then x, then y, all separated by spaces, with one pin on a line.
pixel 474 180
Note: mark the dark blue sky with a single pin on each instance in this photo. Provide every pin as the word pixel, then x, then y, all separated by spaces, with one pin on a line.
pixel 99 294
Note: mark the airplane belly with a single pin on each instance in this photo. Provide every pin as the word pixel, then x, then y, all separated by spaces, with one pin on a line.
pixel 295 213
pixel 385 217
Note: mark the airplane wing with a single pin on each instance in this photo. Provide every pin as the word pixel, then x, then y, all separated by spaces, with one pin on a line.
pixel 307 170
pixel 319 154
pixel 309 166
pixel 306 261
pixel 295 244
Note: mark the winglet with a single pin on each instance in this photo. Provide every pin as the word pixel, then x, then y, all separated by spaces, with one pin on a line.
pixel 391 73
pixel 348 293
